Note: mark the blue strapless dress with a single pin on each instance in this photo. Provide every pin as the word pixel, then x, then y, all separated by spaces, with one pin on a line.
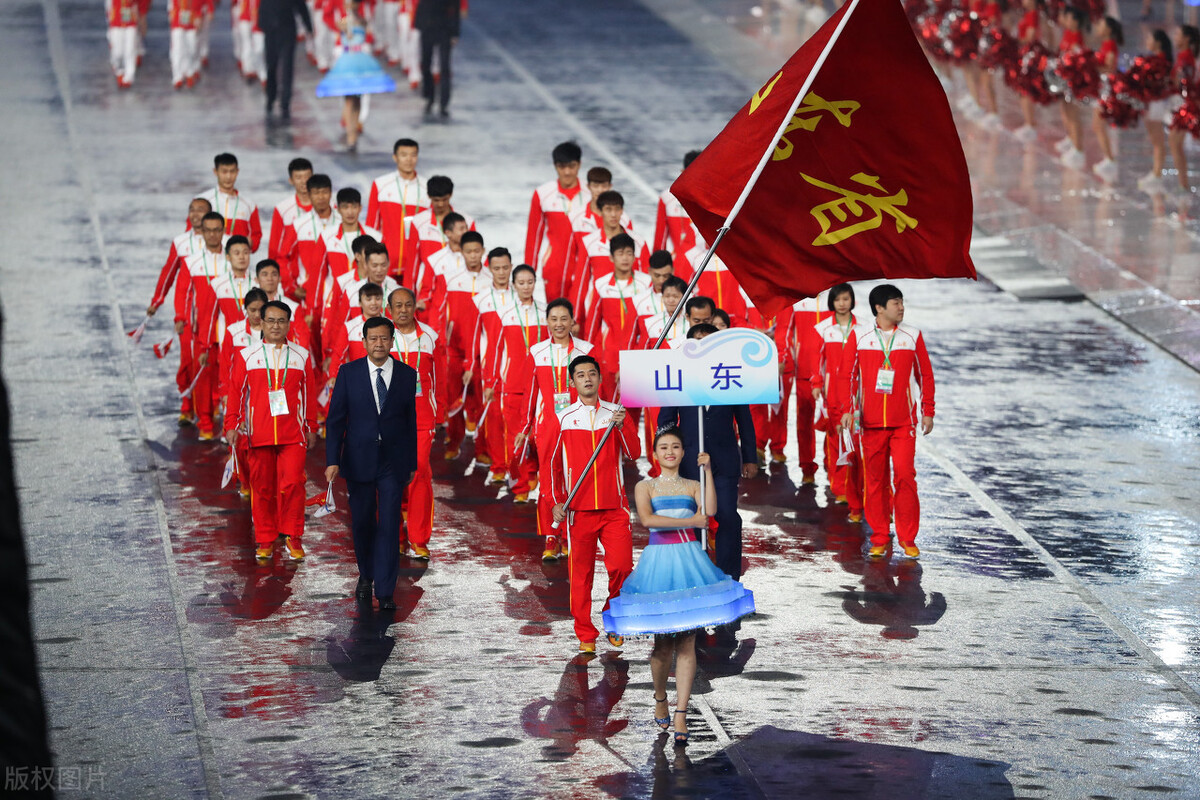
pixel 355 72
pixel 675 587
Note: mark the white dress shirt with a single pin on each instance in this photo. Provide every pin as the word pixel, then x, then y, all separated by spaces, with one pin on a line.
pixel 387 379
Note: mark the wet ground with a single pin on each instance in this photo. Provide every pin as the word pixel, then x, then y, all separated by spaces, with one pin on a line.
pixel 1046 645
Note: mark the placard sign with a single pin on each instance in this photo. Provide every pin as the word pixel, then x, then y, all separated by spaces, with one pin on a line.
pixel 731 367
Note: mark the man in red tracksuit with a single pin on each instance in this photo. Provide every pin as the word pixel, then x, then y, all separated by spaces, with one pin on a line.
pixel 273 404
pixel 301 245
pixel 418 345
pixel 881 369
pixel 299 171
pixel 612 319
pixel 770 423
pixel 490 303
pixel 202 269
pixel 239 213
pixel 673 230
pixel 395 198
pixel 548 235
pixel 599 512
pixel 806 314
pixel 548 391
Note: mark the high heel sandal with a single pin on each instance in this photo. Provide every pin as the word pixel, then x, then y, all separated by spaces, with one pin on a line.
pixel 681 737
pixel 662 722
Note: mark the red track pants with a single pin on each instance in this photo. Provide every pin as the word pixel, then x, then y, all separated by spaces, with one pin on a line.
pixel 770 429
pixel 521 469
pixel 611 529
pixel 897 446
pixel 544 440
pixel 277 491
pixel 418 497
pixel 845 480
pixel 806 437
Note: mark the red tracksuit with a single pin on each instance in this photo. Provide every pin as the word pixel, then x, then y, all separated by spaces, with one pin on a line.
pixel 845 480
pixel 584 221
pixel 612 323
pixel 425 237
pixel 521 327
pixel 674 231
pixel 392 203
pixel 430 285
pixel 547 392
pixel 276 443
pixel 593 261
pixel 600 510
pixel 281 219
pixel 548 235
pixel 718 283
pixel 770 424
pixel 461 289
pixel 223 307
pixel 889 421
pixel 202 268
pixel 805 315
pixel 490 303
pixel 301 252
pixel 241 215
pixel 174 275
pixel 426 353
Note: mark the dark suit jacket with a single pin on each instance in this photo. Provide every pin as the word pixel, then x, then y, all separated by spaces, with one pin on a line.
pixel 438 18
pixel 720 438
pixel 280 15
pixel 354 426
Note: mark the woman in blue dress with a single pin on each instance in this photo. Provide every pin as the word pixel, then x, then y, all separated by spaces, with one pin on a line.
pixel 355 72
pixel 675 590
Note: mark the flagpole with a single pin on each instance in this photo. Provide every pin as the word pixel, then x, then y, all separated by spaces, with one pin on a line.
pixel 724 229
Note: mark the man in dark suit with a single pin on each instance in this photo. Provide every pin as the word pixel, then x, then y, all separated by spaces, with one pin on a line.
pixel 438 22
pixel 371 440
pixel 729 461
pixel 277 18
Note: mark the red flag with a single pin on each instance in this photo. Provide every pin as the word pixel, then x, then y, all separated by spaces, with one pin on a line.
pixel 162 348
pixel 868 179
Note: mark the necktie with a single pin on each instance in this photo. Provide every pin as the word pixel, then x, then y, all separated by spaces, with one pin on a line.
pixel 380 389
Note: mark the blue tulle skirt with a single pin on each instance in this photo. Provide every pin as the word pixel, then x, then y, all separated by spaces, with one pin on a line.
pixel 676 588
pixel 355 72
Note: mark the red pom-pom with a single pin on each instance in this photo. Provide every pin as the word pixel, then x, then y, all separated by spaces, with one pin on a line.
pixel 1119 105
pixel 1150 77
pixel 997 49
pixel 1187 116
pixel 960 32
pixel 1078 69
pixel 1030 78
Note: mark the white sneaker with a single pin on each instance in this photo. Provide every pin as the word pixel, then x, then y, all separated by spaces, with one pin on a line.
pixel 991 121
pixel 1064 144
pixel 1026 133
pixel 1151 183
pixel 1106 170
pixel 1073 159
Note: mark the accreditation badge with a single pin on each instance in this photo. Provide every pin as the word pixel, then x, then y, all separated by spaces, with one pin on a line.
pixel 883 383
pixel 561 401
pixel 278 401
pixel 420 391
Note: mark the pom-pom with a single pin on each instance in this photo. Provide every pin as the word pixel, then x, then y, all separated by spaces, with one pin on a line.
pixel 1118 103
pixel 1150 77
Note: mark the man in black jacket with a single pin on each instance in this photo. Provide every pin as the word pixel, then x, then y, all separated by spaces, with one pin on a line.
pixel 730 462
pixel 438 22
pixel 277 18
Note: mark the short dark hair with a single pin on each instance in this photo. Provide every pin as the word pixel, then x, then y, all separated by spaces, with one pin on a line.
pixel 319 181
pixel 452 219
pixel 224 160
pixel 439 186
pixel 499 252
pixel 579 361
pixel 255 294
pixel 723 315
pixel 883 294
pixel 699 301
pixel 400 289
pixel 362 242
pixel 622 241
pixel 599 175
pixel 232 240
pixel 566 152
pixel 689 157
pixel 369 289
pixel 660 259
pixel 348 194
pixel 266 262
pixel 703 328
pixel 299 165
pixel 840 289
pixel 610 198
pixel 379 322
pixel 470 237
pixel 282 306
pixel 211 216
pixel 405 142
pixel 560 302
pixel 374 248
pixel 675 282
pixel 519 268
pixel 204 200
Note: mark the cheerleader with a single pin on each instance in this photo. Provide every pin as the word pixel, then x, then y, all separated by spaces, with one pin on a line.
pixel 123 40
pixel 1029 37
pixel 1072 21
pixel 675 590
pixel 1112 37
pixel 979 76
pixel 1158 109
pixel 1184 80
pixel 355 72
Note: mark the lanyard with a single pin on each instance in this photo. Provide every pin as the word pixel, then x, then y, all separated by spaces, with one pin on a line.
pixel 654 305
pixel 279 384
pixel 238 294
pixel 204 262
pixel 621 293
pixel 887 351
pixel 554 368
pixel 495 304
pixel 312 213
pixel 237 202
pixel 404 339
pixel 537 318
pixel 846 330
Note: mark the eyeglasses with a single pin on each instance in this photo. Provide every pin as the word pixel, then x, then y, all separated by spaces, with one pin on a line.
pixel 276 321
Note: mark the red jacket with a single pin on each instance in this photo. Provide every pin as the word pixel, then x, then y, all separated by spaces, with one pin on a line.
pixel 241 215
pixel 857 379
pixel 490 304
pixel 580 427
pixel 390 208
pixel 823 367
pixel 301 252
pixel 425 351
pixel 252 376
pixel 547 376
pixel 612 318
pixel 281 219
pixel 548 233
pixel 674 231
pixel 185 244
pixel 521 327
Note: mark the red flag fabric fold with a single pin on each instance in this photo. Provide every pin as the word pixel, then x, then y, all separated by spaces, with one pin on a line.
pixel 867 181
